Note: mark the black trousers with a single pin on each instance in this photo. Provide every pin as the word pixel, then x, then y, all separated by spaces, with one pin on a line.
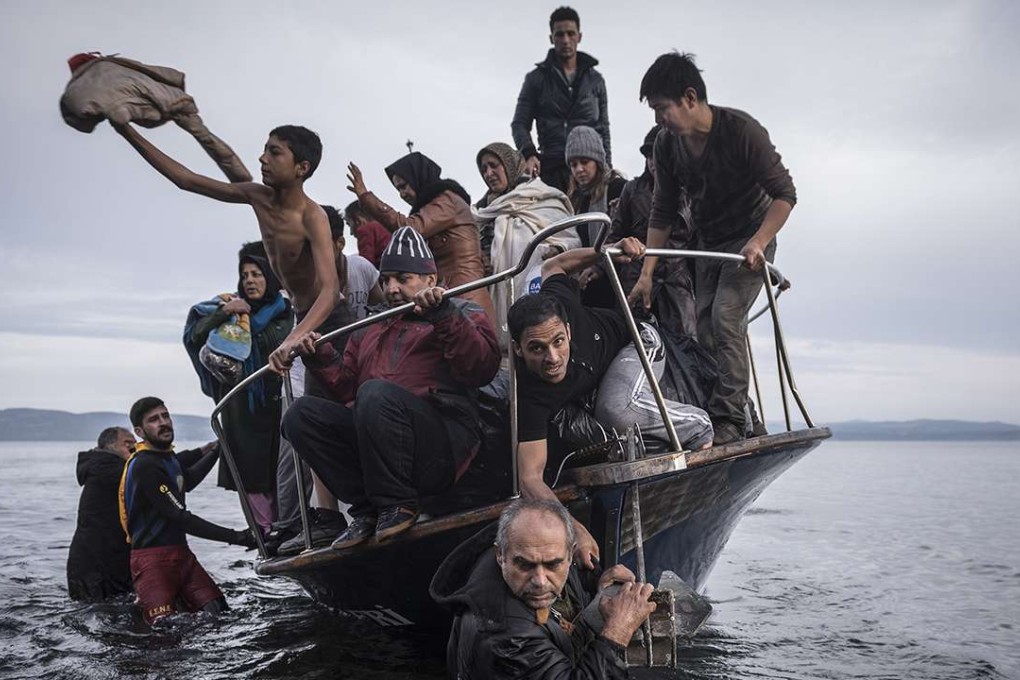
pixel 390 449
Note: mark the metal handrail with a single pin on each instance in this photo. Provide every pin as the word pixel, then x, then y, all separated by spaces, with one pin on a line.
pixel 785 371
pixel 783 359
pixel 529 251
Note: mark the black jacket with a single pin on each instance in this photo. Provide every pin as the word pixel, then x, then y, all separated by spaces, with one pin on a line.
pixel 558 107
pixel 98 563
pixel 495 635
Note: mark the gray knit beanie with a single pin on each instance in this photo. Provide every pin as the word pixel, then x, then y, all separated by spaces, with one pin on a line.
pixel 585 142
pixel 407 252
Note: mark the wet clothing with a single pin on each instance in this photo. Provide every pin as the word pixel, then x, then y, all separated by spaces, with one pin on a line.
pixel 497 636
pixel 556 106
pixel 98 560
pixel 720 200
pixel 167 575
pixel 153 507
pixel 123 90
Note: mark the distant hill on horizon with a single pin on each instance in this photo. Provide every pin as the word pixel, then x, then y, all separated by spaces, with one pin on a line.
pixel 33 425
pixel 30 424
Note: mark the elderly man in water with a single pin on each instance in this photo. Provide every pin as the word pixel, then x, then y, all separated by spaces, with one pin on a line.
pixel 517 604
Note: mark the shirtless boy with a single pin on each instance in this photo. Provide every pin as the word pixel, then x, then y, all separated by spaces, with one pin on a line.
pixel 294 228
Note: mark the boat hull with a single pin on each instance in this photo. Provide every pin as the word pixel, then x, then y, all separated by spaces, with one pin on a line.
pixel 688 515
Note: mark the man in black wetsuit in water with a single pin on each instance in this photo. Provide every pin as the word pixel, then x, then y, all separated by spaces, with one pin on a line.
pixel 164 571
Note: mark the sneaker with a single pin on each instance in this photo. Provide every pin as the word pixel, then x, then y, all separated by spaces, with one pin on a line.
pixel 325 525
pixel 726 433
pixel 358 531
pixel 277 537
pixel 395 520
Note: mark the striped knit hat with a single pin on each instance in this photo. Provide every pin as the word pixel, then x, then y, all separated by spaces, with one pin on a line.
pixel 407 252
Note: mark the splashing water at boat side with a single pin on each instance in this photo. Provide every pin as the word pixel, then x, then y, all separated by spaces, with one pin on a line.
pixel 863 560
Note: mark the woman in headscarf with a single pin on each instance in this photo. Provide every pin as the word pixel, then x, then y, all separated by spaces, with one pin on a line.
pixel 502 168
pixel 251 421
pixel 440 211
pixel 509 216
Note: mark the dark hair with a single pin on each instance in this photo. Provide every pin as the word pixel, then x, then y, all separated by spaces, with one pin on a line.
pixel 355 212
pixel 336 223
pixel 532 310
pixel 670 75
pixel 303 143
pixel 564 13
pixel 108 437
pixel 514 510
pixel 253 249
pixel 142 407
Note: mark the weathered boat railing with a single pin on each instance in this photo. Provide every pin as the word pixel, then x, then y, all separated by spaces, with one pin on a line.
pixel 507 276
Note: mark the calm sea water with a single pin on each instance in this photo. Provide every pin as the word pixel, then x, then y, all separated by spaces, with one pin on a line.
pixel 865 560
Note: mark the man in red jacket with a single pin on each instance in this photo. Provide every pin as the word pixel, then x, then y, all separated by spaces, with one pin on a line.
pixel 404 423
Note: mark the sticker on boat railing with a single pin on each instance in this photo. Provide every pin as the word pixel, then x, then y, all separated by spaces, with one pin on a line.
pixel 380 615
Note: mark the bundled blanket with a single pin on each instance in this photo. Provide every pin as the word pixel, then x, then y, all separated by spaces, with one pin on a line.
pixel 231 342
pixel 127 91
pixel 516 217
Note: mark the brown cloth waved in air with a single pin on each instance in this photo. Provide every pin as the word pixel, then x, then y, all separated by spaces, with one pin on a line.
pixel 127 91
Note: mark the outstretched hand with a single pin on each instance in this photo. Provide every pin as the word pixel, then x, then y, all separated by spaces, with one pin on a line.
pixel 357 182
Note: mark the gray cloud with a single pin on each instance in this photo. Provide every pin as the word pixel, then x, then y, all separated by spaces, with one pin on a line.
pixel 897 121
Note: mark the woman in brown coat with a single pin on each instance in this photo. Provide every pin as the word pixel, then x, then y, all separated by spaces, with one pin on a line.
pixel 440 211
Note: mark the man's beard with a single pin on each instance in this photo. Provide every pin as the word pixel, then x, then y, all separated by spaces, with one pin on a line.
pixel 163 438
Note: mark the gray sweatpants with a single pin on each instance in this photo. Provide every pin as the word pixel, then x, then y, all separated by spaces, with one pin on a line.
pixel 625 398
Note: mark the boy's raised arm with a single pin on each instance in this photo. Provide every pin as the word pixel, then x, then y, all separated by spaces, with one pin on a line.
pixel 181 176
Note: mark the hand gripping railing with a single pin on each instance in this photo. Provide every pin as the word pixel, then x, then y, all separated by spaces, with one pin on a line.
pixel 520 267
pixel 782 358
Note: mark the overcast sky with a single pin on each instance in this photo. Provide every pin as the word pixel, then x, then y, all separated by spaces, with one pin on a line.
pixel 900 123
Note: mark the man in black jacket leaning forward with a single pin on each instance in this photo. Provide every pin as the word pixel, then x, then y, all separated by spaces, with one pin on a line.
pixel 517 605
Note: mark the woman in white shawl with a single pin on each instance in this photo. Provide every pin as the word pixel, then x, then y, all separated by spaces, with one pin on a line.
pixel 514 209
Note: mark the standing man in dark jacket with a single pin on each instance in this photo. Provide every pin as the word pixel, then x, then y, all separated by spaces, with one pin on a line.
pixel 98 561
pixel 404 423
pixel 717 171
pixel 562 92
pixel 517 605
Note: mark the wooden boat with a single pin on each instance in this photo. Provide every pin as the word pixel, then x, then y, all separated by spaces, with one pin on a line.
pixel 690 502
